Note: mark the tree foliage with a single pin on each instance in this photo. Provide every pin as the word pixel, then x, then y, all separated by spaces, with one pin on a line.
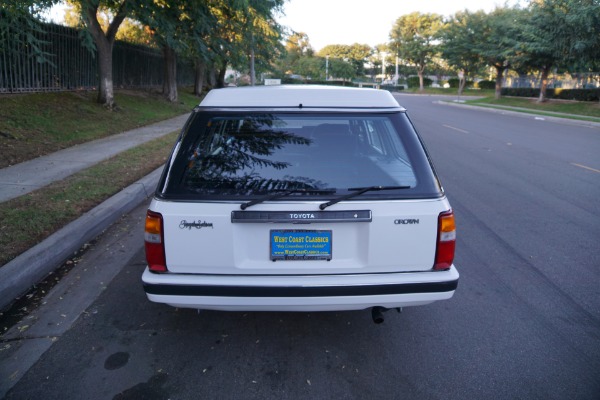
pixel 103 40
pixel 130 30
pixel 355 54
pixel 177 28
pixel 298 45
pixel 20 20
pixel 560 33
pixel 414 36
pixel 309 67
pixel 244 35
pixel 498 45
pixel 341 69
pixel 459 43
pixel 262 34
pixel 545 35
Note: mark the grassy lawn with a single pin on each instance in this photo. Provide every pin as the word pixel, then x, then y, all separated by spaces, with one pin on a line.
pixel 449 91
pixel 589 111
pixel 35 124
pixel 29 219
pixel 579 108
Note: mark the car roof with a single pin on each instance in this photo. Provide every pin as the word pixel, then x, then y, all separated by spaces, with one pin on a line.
pixel 301 97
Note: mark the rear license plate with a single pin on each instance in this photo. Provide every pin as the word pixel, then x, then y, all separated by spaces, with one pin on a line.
pixel 300 245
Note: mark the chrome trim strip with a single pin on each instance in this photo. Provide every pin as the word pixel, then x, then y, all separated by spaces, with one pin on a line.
pixel 301 217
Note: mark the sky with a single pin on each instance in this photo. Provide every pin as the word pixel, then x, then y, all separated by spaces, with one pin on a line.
pixel 365 22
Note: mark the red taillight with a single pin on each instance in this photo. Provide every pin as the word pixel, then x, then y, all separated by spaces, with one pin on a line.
pixel 446 241
pixel 154 242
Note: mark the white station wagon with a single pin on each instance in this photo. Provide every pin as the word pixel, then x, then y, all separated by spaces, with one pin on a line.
pixel 299 198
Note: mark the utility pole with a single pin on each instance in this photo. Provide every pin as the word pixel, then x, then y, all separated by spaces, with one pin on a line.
pixel 383 54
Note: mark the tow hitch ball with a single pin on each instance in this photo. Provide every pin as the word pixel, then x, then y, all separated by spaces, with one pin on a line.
pixel 377 313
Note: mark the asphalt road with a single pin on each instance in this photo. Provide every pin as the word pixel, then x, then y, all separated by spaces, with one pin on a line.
pixel 524 323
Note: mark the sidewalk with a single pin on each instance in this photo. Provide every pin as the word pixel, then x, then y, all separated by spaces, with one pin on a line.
pixel 26 177
pixel 21 273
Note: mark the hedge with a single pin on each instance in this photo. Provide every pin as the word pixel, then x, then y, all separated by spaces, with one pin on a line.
pixel 562 94
pixel 413 81
pixel 486 84
pixel 292 81
pixel 391 88
pixel 453 83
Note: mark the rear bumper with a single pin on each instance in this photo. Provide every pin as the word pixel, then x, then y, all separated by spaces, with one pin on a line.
pixel 300 293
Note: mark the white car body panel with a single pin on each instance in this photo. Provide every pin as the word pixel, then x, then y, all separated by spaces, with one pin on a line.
pixel 243 248
pixel 305 303
pixel 210 257
pixel 331 97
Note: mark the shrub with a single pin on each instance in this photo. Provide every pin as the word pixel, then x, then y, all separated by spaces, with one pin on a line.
pixel 486 84
pixel 563 94
pixel 291 81
pixel 577 94
pixel 391 88
pixel 413 81
pixel 520 92
pixel 453 83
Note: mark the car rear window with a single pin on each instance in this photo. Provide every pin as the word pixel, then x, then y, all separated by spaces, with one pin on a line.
pixel 241 155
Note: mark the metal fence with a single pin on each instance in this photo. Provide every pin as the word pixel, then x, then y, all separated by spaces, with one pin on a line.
pixel 69 65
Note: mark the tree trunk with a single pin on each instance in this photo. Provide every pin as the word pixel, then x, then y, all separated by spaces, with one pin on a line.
pixel 199 77
pixel 211 79
pixel 461 85
pixel 170 76
pixel 544 84
pixel 221 76
pixel 420 72
pixel 252 71
pixel 106 94
pixel 462 81
pixel 104 45
pixel 499 72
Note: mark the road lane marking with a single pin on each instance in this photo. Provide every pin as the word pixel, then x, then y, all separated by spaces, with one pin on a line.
pixel 456 129
pixel 584 167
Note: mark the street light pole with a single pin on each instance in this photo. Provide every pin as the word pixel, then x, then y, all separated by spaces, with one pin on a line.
pixel 326 67
pixel 383 54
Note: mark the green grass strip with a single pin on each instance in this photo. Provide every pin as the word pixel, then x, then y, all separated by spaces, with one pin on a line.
pixel 541 113
pixel 589 111
pixel 27 220
pixel 36 124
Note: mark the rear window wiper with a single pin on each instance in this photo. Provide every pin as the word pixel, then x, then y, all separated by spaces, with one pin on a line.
pixel 283 193
pixel 358 192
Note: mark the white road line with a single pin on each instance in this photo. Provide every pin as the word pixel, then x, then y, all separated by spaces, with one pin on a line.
pixel 584 167
pixel 456 129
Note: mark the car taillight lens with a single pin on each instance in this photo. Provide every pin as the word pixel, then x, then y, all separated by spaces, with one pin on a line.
pixel 154 242
pixel 446 241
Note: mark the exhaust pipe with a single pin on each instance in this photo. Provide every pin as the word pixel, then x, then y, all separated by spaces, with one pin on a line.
pixel 377 314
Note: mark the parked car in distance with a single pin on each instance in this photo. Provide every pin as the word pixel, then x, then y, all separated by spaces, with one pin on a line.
pixel 299 198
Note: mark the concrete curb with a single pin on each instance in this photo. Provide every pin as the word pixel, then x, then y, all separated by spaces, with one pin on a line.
pixel 17 276
pixel 565 121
